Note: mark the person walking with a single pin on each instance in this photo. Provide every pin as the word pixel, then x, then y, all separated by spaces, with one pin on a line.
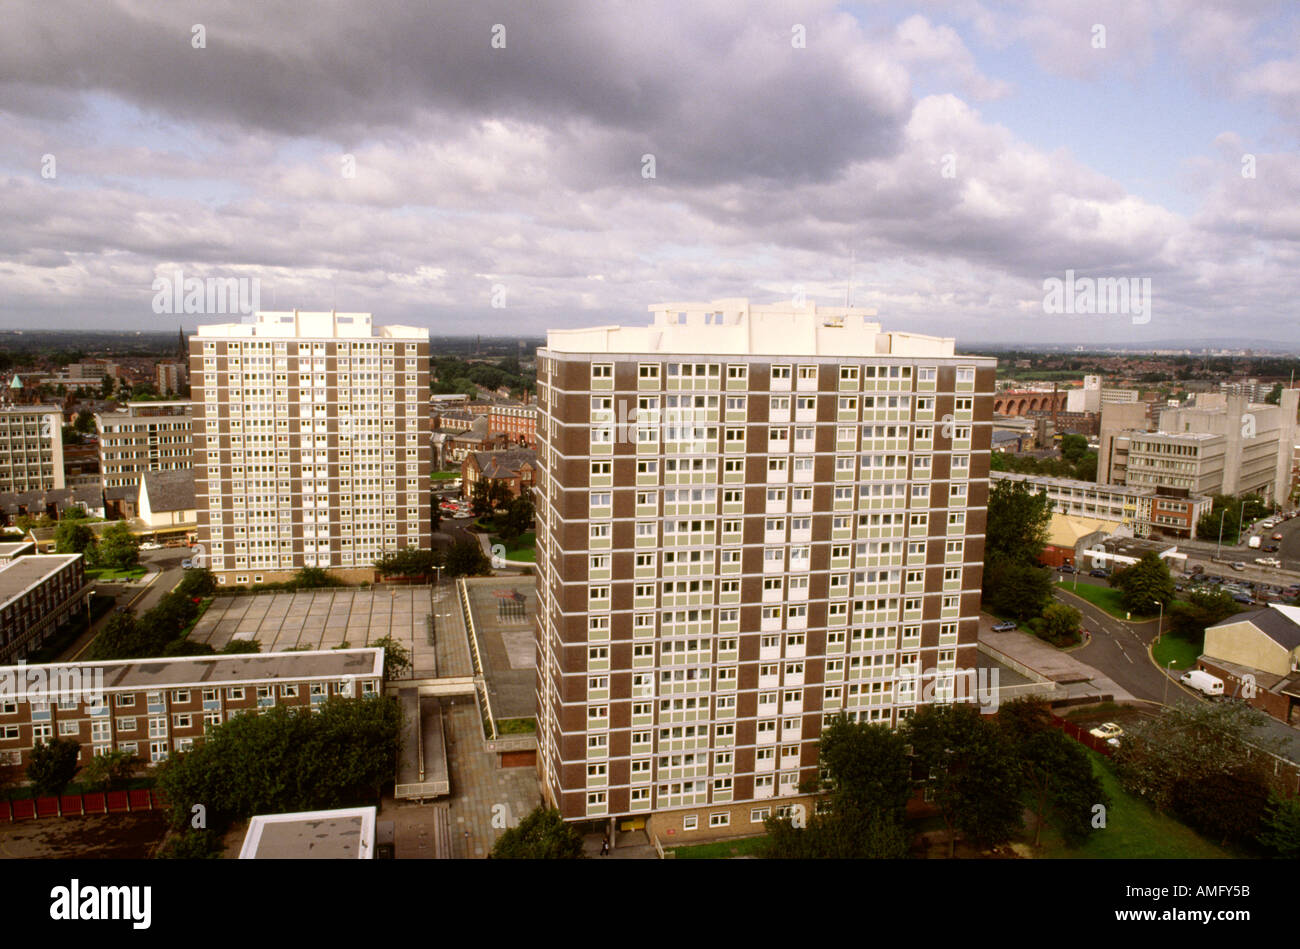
pixel 604 846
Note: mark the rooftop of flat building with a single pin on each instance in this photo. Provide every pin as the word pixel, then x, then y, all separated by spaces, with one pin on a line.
pixel 207 671
pixel 302 324
pixel 346 833
pixel 737 327
pixel 19 576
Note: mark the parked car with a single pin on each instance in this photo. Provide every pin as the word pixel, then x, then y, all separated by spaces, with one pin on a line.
pixel 151 545
pixel 1277 536
pixel 1004 627
pixel 1107 730
pixel 1202 682
pixel 187 564
pixel 1066 568
pixel 1098 572
pixel 1270 548
pixel 1238 566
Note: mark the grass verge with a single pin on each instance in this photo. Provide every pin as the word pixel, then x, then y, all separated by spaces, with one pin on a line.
pixel 721 849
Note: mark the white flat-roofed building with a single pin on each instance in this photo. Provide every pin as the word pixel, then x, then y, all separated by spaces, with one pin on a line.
pixel 345 833
pixel 309 443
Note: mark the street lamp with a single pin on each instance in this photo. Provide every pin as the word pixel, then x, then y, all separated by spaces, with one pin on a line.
pixel 1160 622
pixel 1217 553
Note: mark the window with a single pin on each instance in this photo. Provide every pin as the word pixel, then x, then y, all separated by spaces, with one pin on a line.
pixel 719 820
pixel 690 822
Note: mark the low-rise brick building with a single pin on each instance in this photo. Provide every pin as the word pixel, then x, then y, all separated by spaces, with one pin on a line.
pixel 38 593
pixel 152 707
pixel 516 468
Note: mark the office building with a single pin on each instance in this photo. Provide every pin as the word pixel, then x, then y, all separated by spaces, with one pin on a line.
pixel 1217 445
pixel 145 436
pixel 749 519
pixel 31 448
pixel 310 444
pixel 1165 510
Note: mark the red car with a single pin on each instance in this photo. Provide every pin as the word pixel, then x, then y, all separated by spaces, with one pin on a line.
pixel 1277 536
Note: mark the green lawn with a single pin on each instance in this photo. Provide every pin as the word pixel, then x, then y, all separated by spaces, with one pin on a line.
pixel 1182 652
pixel 445 475
pixel 517 726
pixel 1106 598
pixel 720 849
pixel 1133 831
pixel 108 574
pixel 523 548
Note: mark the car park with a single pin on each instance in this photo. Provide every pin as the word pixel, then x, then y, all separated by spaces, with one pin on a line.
pixel 1004 627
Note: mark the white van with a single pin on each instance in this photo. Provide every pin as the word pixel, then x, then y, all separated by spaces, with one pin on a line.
pixel 1253 543
pixel 1202 682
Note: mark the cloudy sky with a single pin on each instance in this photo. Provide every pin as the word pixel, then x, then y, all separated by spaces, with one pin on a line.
pixel 414 158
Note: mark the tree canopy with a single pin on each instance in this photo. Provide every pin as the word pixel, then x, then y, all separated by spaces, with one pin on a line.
pixel 541 835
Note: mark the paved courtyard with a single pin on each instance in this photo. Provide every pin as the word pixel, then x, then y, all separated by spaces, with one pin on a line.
pixel 324 619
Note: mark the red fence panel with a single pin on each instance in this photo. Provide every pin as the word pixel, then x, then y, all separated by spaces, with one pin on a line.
pixel 6 812
pixel 24 809
pixel 116 802
pixel 70 805
pixel 139 798
pixel 94 802
pixel 47 807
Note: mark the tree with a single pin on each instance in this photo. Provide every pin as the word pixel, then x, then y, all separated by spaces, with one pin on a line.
pixel 480 499
pixel 466 558
pixel 105 771
pixel 118 548
pixel 1188 618
pixel 118 639
pixel 869 780
pixel 973 777
pixel 1073 447
pixel 1227 805
pixel 1059 625
pixel 1017 522
pixel 1085 469
pixel 1184 744
pixel 518 518
pixel 1014 538
pixel 411 562
pixel 286 760
pixel 542 835
pixel 73 536
pixel 1280 826
pixel 84 423
pixel 53 763
pixel 397 658
pixel 1057 770
pixel 1144 584
pixel 309 578
pixel 1019 590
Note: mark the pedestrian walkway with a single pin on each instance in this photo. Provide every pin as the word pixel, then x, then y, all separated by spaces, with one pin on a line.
pixel 1075 678
pixel 483 793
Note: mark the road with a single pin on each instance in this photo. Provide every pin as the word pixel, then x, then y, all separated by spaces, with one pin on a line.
pixel 168 561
